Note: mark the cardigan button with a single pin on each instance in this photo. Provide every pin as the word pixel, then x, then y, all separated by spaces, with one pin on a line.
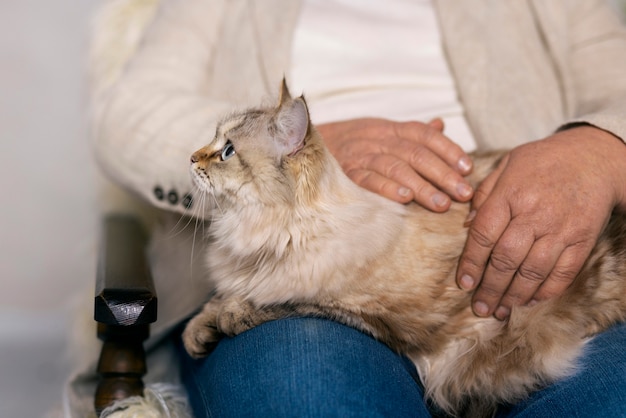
pixel 187 201
pixel 172 197
pixel 158 193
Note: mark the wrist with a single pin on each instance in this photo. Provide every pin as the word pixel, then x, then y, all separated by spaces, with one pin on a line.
pixel 611 151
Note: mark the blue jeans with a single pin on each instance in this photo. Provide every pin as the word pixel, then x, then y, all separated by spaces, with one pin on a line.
pixel 306 367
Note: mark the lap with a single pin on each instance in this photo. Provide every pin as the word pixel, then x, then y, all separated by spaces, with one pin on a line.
pixel 310 367
pixel 303 367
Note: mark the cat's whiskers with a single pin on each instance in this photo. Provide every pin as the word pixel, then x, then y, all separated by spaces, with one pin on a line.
pixel 198 209
pixel 175 230
pixel 188 219
pixel 203 186
pixel 215 200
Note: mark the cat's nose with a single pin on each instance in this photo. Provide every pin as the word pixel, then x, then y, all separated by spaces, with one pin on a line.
pixel 197 156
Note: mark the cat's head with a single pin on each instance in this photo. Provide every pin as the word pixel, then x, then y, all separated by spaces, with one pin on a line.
pixel 263 155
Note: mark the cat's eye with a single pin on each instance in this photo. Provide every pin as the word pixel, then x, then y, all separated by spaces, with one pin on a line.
pixel 228 151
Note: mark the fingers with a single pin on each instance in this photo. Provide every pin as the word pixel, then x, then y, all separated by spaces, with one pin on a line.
pixel 403 161
pixel 435 159
pixel 546 272
pixel 504 261
pixel 432 138
pixel 381 178
pixel 425 174
pixel 485 230
pixel 518 268
pixel 437 124
pixel 507 255
pixel 564 272
pixel 528 278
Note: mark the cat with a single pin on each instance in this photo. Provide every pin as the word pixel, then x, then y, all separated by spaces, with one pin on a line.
pixel 292 235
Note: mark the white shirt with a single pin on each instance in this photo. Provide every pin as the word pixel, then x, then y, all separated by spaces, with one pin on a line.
pixel 375 58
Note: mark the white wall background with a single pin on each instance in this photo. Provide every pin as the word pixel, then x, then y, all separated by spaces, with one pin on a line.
pixel 47 173
pixel 48 218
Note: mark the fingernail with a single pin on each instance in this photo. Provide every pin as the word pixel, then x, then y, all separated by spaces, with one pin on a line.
pixel 481 308
pixel 464 190
pixel 466 282
pixel 465 164
pixel 470 218
pixel 403 191
pixel 533 302
pixel 440 199
pixel 502 312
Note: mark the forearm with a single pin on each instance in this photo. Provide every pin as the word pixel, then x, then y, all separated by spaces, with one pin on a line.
pixel 149 118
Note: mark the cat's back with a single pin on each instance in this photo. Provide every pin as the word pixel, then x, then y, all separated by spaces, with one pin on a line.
pixel 430 229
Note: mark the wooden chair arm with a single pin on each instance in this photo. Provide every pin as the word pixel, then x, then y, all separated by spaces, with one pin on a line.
pixel 125 306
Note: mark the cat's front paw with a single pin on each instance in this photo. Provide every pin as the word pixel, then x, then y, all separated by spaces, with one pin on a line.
pixel 201 335
pixel 238 315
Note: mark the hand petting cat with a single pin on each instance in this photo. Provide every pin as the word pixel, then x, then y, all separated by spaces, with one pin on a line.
pixel 532 229
pixel 402 161
pixel 538 216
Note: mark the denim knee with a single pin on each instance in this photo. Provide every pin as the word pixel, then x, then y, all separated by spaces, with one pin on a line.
pixel 303 367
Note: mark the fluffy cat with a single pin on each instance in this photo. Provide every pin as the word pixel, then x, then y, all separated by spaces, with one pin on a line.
pixel 292 235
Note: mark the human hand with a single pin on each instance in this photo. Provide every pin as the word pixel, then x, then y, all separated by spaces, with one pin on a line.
pixel 537 217
pixel 402 161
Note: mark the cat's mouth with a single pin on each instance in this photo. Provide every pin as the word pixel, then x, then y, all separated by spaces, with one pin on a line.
pixel 199 177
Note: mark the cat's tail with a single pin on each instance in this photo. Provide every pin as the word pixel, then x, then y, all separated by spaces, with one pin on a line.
pixel 502 362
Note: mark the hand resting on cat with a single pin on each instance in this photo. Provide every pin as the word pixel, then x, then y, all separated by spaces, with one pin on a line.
pixel 402 161
pixel 291 234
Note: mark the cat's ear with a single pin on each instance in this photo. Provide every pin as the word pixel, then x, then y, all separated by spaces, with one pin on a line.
pixel 292 122
pixel 284 95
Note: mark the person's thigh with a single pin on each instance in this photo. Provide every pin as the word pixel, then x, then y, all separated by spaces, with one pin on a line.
pixel 597 390
pixel 302 367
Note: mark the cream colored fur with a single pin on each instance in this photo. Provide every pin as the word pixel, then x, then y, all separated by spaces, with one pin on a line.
pixel 292 235
pixel 159 401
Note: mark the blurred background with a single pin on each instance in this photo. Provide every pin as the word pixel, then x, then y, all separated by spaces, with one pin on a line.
pixel 49 191
pixel 48 184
